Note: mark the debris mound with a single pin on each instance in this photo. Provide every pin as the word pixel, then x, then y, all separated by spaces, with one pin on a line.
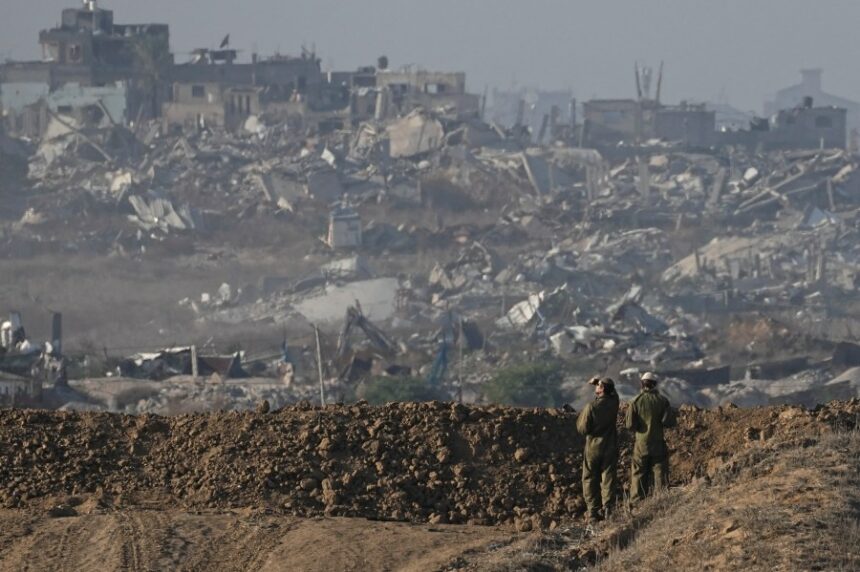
pixel 430 462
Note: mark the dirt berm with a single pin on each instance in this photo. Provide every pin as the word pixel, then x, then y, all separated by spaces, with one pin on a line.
pixel 428 462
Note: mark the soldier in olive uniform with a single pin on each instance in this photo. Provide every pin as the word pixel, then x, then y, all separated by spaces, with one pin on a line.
pixel 600 459
pixel 647 415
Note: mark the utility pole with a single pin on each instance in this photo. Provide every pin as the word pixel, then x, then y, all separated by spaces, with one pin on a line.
pixel 194 367
pixel 319 364
pixel 460 365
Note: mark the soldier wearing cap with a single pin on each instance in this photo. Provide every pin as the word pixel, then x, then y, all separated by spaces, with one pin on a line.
pixel 649 413
pixel 600 459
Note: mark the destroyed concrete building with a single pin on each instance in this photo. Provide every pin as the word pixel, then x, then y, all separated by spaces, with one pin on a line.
pixel 344 229
pixel 201 105
pixel 803 127
pixel 406 89
pixel 415 134
pixel 89 36
pixel 16 389
pixel 645 120
pixel 729 117
pixel 381 93
pixel 96 71
pixel 212 85
pixel 634 121
pixel 29 107
pixel 542 112
pixel 691 124
pixel 811 86
pixel 609 121
pixel 171 362
pixel 807 126
pixel 614 120
pixel 91 66
pixel 617 256
pixel 296 92
pixel 25 365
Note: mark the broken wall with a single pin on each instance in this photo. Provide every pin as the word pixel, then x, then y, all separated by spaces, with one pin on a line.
pixel 23 104
pixel 414 135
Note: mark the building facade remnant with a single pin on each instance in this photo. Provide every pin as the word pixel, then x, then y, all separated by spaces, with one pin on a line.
pixel 344 230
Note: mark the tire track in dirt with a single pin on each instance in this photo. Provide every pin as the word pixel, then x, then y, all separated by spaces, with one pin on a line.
pixel 143 538
pixel 130 537
pixel 63 545
pixel 16 530
pixel 46 549
pixel 245 545
pixel 135 540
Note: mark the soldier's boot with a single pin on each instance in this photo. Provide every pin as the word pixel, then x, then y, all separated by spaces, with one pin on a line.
pixel 607 510
pixel 639 473
pixel 609 484
pixel 660 471
pixel 591 486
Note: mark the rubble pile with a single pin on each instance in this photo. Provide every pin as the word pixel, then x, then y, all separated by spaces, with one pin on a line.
pixel 147 185
pixel 176 395
pixel 629 255
pixel 431 462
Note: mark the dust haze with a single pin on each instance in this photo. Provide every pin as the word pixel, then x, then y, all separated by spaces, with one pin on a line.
pixel 459 286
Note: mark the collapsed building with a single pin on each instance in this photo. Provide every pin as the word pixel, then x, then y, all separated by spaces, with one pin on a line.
pixel 92 69
pixel 634 240
pixel 801 125
pixel 611 120
pixel 25 365
pixel 97 72
pixel 382 93
pixel 541 112
pixel 811 85
pixel 213 89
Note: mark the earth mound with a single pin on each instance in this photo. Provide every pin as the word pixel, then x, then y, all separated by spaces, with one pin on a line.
pixel 429 462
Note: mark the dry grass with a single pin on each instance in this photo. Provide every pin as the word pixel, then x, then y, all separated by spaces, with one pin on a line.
pixel 793 506
pixel 789 509
pixel 539 552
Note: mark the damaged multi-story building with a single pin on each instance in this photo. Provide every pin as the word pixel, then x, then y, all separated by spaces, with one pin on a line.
pixel 811 85
pixel 806 126
pixel 382 93
pixel 214 90
pixel 93 71
pixel 408 89
pixel 612 121
pixel 616 120
pixel 96 73
pixel 542 112
pixel 608 122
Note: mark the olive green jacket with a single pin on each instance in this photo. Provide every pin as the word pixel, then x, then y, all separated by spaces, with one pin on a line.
pixel 647 415
pixel 597 423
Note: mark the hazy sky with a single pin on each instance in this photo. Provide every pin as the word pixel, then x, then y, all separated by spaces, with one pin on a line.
pixel 720 50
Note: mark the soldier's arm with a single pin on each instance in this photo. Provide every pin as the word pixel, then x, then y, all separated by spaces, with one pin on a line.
pixel 584 423
pixel 630 419
pixel 670 418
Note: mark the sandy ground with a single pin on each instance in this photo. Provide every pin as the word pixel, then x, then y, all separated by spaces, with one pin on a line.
pixel 171 540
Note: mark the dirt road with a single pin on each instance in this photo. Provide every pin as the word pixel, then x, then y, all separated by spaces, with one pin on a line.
pixel 243 540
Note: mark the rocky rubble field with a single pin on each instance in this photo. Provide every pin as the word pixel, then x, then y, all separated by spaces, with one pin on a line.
pixel 431 462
